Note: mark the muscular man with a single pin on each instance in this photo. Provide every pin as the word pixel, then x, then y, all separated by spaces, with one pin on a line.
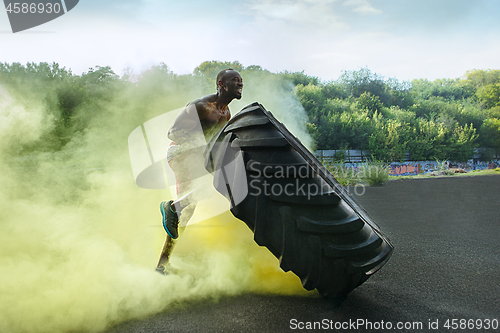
pixel 192 129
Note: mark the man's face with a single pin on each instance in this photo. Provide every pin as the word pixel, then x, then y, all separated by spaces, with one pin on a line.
pixel 232 83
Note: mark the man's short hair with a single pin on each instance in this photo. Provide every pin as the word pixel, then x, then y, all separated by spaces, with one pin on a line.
pixel 221 75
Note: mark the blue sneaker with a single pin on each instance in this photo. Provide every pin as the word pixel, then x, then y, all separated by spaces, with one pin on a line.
pixel 170 219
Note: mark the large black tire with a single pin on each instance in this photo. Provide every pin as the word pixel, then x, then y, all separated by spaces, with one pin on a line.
pixel 325 238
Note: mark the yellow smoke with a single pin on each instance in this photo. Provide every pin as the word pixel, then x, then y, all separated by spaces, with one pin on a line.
pixel 79 241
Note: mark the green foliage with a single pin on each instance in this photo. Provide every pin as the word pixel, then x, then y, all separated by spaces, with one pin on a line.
pixel 423 135
pixel 435 106
pixel 312 130
pixel 212 68
pixel 344 130
pixel 313 101
pixel 493 112
pixel 462 143
pixel 339 156
pixel 299 78
pixel 470 111
pixel 69 97
pixel 401 98
pixel 208 70
pixel 387 141
pixel 362 81
pixel 333 90
pixel 338 106
pixel 489 94
pixel 443 119
pixel 374 173
pixel 346 176
pixel 43 71
pixel 477 78
pixel 490 131
pixel 370 103
pixel 447 89
pixel 395 112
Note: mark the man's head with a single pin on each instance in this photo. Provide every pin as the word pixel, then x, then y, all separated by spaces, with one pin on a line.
pixel 230 82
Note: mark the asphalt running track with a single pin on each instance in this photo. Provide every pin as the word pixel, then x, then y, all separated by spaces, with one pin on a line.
pixel 446 265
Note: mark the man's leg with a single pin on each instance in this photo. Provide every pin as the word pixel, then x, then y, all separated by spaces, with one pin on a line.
pixel 180 211
pixel 170 218
pixel 185 205
pixel 163 265
pixel 165 254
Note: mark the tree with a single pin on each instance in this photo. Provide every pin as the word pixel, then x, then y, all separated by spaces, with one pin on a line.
pixel 421 139
pixel 448 89
pixel 489 95
pixel 300 78
pixel 462 143
pixel 211 68
pixel 334 90
pixel 69 97
pixel 477 78
pixel 42 71
pixel 490 133
pixel 370 103
pixel 363 80
pixel 388 140
pixel 99 75
pixel 313 101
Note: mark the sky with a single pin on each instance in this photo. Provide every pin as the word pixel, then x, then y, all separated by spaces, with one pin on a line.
pixel 402 39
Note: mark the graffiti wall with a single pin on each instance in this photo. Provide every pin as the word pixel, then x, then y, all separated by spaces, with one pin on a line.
pixel 416 167
pixel 354 158
pixel 412 168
